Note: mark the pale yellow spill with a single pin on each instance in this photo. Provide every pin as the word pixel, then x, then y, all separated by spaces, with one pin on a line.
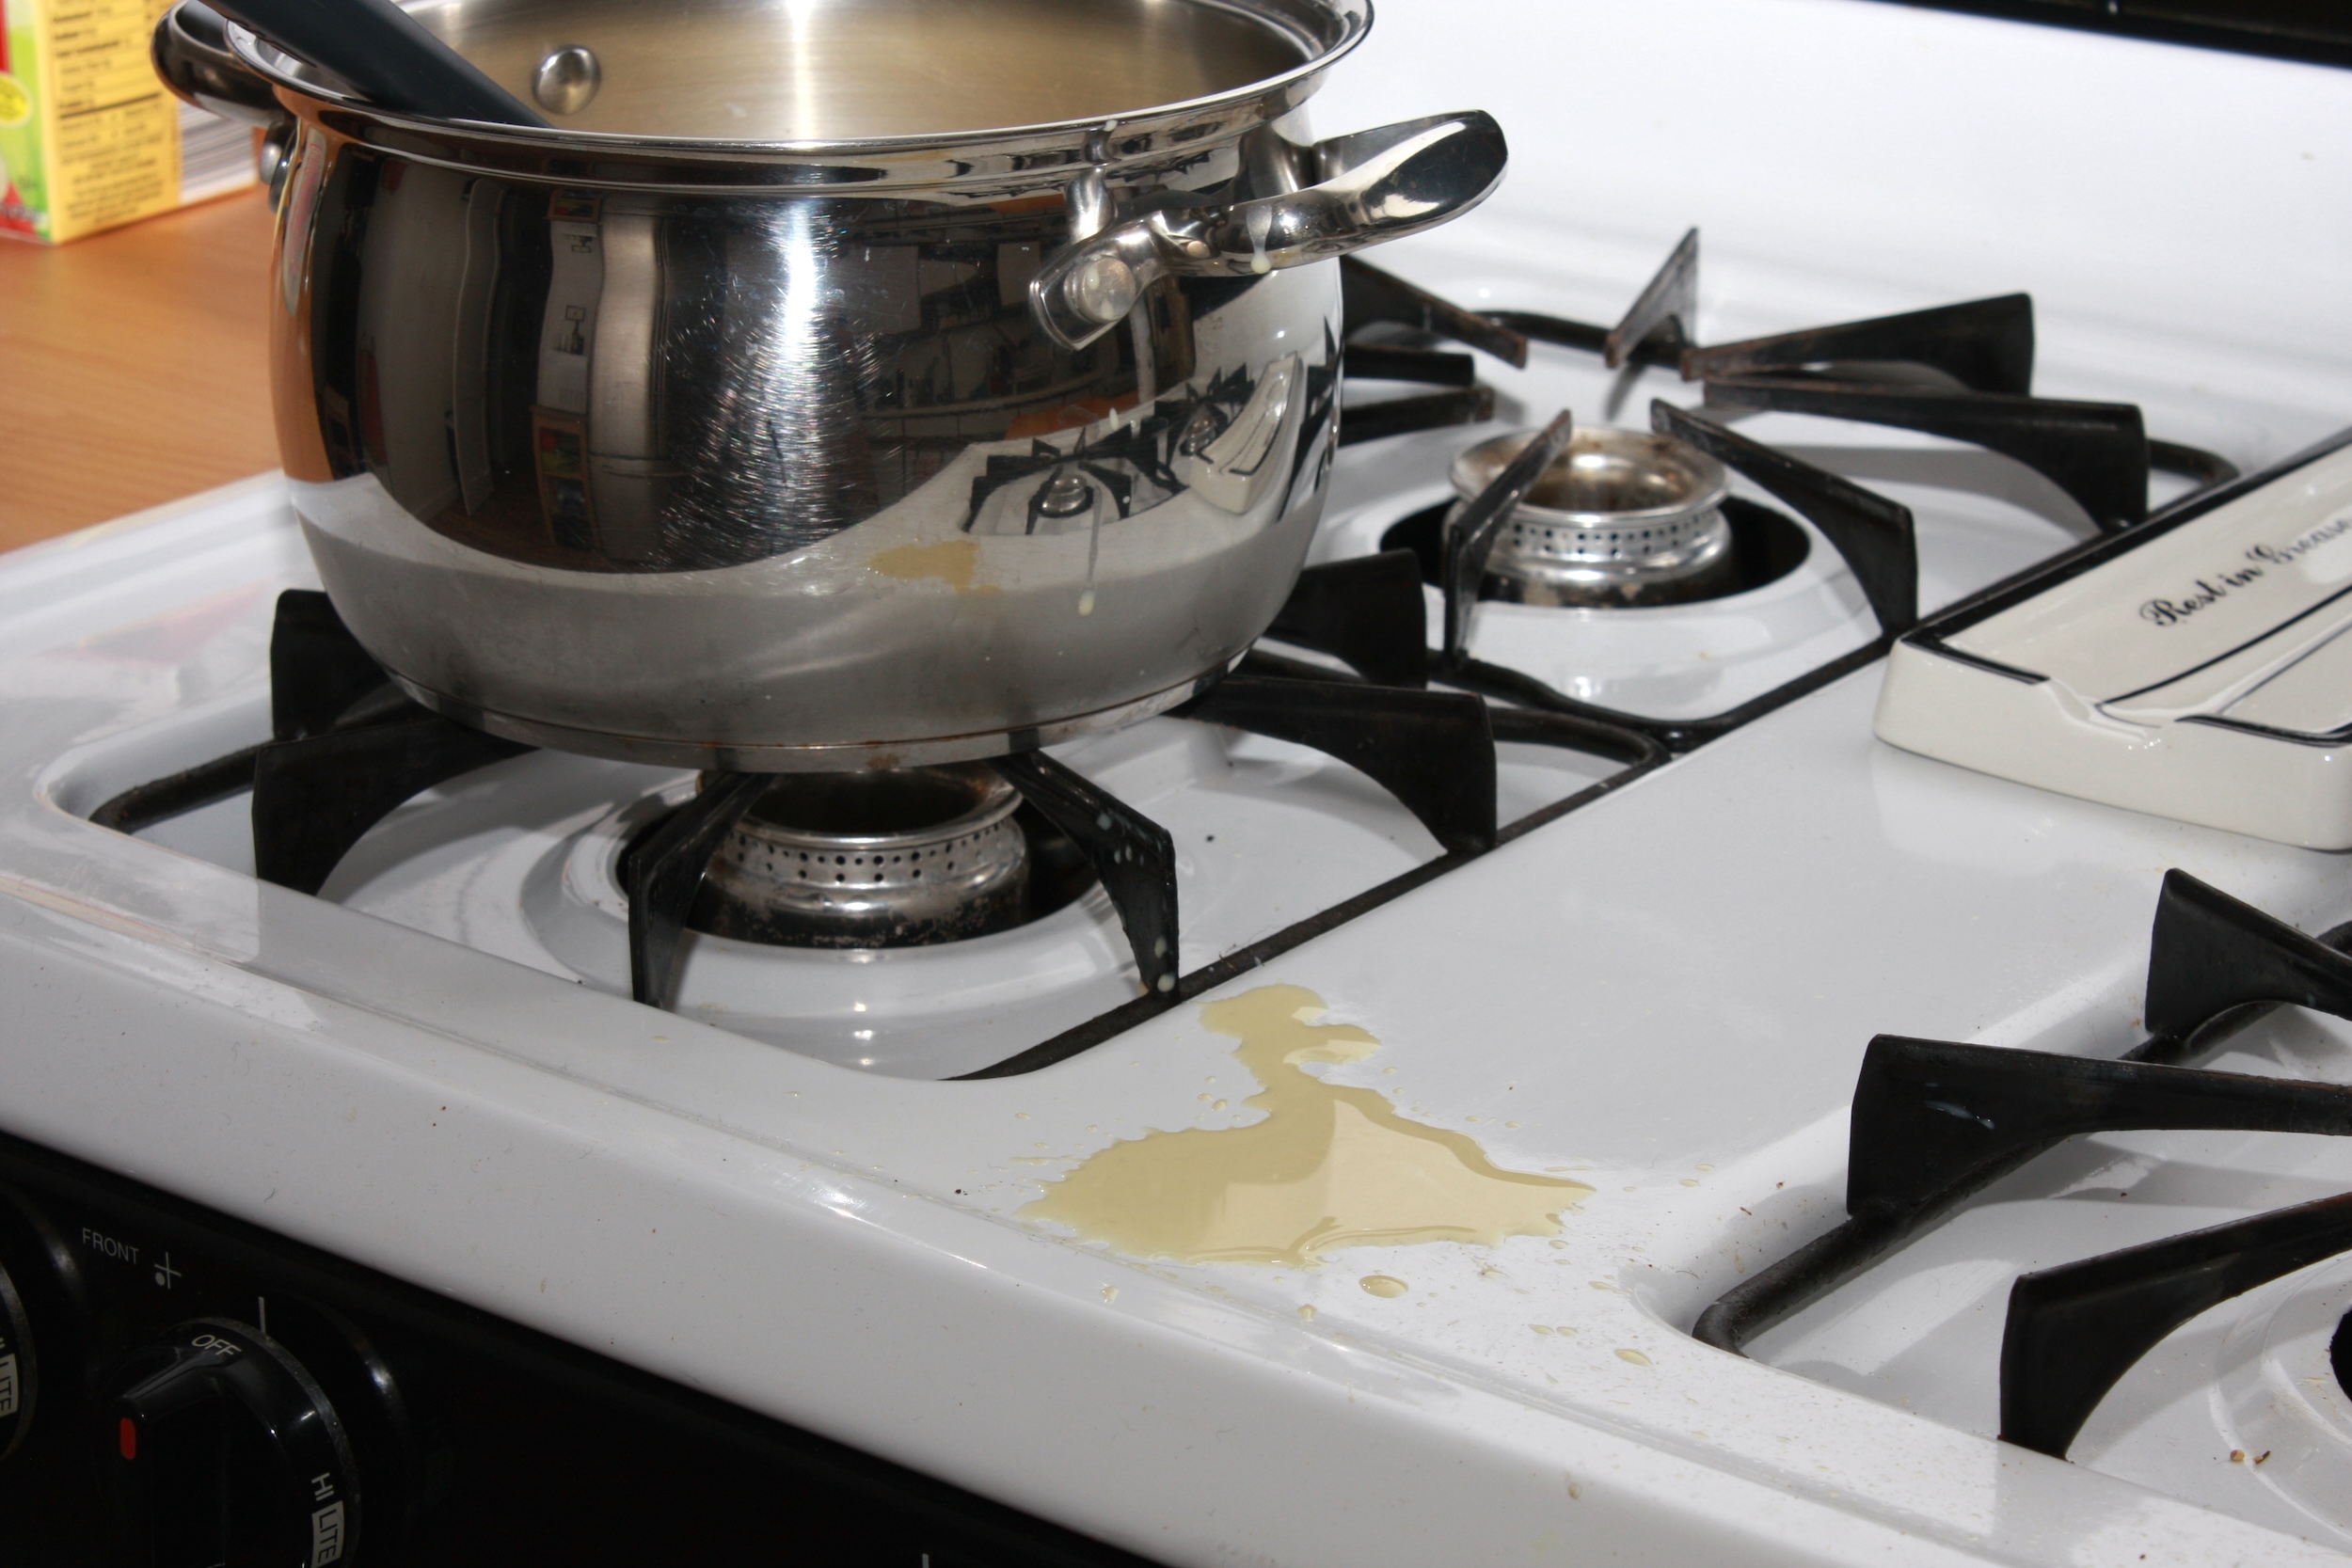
pixel 1385 1285
pixel 1306 1314
pixel 1327 1167
pixel 1633 1355
pixel 953 562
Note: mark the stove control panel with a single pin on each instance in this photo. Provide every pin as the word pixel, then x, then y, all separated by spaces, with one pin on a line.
pixel 181 1390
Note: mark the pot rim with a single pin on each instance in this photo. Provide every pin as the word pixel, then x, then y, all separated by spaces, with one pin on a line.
pixel 1110 139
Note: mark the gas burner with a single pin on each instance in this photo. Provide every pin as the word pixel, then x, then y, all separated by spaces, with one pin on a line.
pixel 879 857
pixel 1620 518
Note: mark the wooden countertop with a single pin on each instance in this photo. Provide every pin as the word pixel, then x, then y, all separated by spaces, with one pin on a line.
pixel 133 368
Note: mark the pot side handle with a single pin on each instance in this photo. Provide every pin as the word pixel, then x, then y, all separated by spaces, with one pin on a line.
pixel 192 56
pixel 1372 186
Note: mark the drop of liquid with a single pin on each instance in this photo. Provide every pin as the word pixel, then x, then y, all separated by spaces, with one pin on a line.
pixel 1383 1285
pixel 1635 1356
pixel 1325 1166
pixel 1260 222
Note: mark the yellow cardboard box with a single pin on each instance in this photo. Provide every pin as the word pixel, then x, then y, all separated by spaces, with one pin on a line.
pixel 88 138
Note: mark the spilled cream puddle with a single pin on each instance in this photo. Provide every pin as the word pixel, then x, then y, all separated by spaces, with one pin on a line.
pixel 953 562
pixel 1327 1167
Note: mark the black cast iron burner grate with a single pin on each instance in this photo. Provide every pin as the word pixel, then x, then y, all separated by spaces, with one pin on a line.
pixel 1964 371
pixel 1933 1123
pixel 347 749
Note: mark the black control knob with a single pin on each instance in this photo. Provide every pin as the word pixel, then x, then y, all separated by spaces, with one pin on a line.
pixel 19 1368
pixel 223 1449
pixel 40 1342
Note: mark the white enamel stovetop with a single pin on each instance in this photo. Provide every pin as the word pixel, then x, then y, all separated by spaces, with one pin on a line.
pixel 1663 996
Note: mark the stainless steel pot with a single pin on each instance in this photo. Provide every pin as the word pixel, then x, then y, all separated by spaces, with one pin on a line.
pixel 842 382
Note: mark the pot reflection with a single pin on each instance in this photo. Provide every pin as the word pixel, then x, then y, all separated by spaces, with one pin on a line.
pixel 634 383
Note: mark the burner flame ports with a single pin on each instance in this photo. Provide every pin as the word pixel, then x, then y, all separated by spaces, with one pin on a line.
pixel 1620 516
pixel 877 857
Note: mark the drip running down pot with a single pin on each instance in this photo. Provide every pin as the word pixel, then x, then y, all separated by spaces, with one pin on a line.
pixel 1621 517
pixel 876 857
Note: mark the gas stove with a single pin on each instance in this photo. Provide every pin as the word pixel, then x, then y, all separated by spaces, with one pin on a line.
pixel 1297 1153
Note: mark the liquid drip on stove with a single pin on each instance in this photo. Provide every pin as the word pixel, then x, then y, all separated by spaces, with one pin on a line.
pixel 1326 1167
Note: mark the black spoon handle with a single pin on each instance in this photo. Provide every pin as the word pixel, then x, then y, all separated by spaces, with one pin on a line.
pixel 385 54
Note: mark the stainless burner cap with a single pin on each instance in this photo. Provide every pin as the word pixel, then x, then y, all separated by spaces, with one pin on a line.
pixel 878 858
pixel 1622 517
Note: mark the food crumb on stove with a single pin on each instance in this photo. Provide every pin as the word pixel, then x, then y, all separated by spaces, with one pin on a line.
pixel 2260 1457
pixel 1633 1358
pixel 1306 1314
pixel 1541 1328
pixel 2237 1456
pixel 1690 1180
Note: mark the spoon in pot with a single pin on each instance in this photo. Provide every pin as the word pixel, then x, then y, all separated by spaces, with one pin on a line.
pixel 384 53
